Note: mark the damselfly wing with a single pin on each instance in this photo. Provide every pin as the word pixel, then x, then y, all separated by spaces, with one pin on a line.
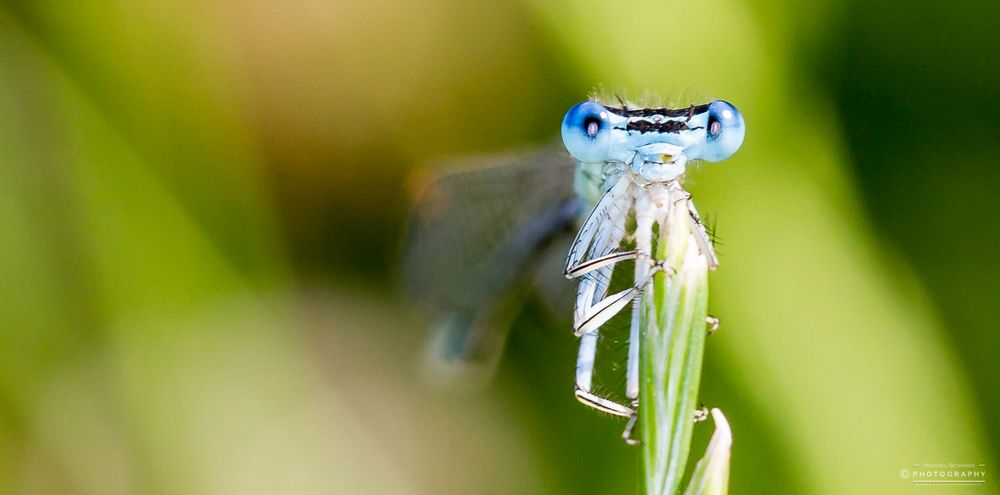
pixel 478 231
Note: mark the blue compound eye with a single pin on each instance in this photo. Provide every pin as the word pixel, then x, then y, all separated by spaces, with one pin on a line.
pixel 724 131
pixel 585 132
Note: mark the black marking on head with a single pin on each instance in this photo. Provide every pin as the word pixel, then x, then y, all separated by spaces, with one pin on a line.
pixel 666 126
pixel 688 112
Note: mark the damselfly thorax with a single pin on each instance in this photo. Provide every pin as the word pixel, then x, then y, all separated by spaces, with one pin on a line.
pixel 478 235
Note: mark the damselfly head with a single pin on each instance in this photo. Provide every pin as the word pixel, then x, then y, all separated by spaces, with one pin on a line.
pixel 656 143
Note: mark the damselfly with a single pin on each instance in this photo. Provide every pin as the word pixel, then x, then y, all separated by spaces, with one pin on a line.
pixel 478 236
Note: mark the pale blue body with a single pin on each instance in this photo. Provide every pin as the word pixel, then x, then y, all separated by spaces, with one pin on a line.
pixel 478 234
pixel 629 165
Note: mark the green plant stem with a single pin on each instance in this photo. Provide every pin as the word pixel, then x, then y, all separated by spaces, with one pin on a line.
pixel 711 474
pixel 672 319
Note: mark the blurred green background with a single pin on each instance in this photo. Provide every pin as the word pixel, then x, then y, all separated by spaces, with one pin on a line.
pixel 201 206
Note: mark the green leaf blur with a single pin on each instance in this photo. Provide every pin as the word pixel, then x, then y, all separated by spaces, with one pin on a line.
pixel 201 206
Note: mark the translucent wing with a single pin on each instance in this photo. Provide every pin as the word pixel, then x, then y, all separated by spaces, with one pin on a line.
pixel 474 238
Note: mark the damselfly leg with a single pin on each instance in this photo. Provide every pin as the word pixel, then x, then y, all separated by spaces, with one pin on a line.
pixel 712 323
pixel 701 235
pixel 588 351
pixel 650 204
